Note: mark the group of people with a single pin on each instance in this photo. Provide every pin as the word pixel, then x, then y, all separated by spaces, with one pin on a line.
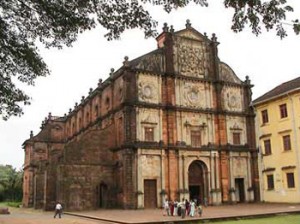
pixel 184 208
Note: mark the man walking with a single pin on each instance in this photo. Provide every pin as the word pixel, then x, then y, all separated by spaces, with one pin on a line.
pixel 58 210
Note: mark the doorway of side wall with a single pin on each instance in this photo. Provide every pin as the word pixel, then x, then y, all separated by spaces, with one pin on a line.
pixel 240 189
pixel 150 193
pixel 102 191
pixel 198 181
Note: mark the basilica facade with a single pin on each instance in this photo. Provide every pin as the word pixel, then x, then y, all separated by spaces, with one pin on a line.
pixel 174 123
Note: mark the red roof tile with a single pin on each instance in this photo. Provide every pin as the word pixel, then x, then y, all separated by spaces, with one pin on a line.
pixel 279 90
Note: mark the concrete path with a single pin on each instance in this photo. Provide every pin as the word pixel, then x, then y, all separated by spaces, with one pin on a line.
pixel 31 216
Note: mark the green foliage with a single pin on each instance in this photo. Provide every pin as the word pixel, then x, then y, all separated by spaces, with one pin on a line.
pixel 11 184
pixel 277 219
pixel 15 204
pixel 57 23
pixel 257 13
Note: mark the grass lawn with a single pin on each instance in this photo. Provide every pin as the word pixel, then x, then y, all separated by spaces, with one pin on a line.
pixel 278 219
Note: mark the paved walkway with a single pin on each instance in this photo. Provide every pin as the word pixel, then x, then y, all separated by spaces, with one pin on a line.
pixel 210 213
pixel 31 216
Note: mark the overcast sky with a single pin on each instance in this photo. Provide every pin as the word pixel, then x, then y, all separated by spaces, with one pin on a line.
pixel 267 60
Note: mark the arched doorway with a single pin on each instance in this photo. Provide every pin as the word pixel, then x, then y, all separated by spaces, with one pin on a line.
pixel 102 195
pixel 198 181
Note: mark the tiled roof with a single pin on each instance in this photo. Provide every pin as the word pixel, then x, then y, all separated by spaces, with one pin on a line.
pixel 279 90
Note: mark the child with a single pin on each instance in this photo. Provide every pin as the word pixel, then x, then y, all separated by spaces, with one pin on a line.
pixel 200 210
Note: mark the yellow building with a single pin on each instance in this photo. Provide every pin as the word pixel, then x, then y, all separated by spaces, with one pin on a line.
pixel 278 136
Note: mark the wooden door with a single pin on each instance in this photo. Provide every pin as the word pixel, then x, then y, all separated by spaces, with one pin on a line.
pixel 150 194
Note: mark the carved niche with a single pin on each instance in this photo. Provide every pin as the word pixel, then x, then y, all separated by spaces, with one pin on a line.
pixel 119 90
pixel 148 90
pixel 236 124
pixel 193 95
pixel 191 58
pixel 148 118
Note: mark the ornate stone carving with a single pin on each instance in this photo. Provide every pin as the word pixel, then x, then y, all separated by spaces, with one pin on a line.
pixel 232 99
pixel 149 117
pixel 148 89
pixel 191 58
pixel 193 95
pixel 190 61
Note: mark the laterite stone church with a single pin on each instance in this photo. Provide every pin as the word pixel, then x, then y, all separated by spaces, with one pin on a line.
pixel 175 122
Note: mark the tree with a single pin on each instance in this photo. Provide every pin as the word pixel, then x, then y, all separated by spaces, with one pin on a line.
pixel 10 183
pixel 57 23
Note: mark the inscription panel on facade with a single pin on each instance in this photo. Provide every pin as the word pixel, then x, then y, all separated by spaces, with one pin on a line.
pixel 191 58
pixel 239 166
pixel 151 165
pixel 149 88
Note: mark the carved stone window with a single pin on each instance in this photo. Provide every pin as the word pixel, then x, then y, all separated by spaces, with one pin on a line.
pixel 87 118
pixel 236 137
pixel 149 134
pixel 196 138
pixel 96 111
pixel 73 128
pixel 80 123
pixel 107 103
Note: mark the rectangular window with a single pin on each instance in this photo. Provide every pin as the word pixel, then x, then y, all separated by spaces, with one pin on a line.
pixel 270 182
pixel 265 117
pixel 236 138
pixel 286 143
pixel 283 111
pixel 195 138
pixel 290 180
pixel 267 144
pixel 149 134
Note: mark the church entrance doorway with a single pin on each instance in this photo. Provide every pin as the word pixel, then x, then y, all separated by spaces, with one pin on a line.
pixel 198 181
pixel 150 194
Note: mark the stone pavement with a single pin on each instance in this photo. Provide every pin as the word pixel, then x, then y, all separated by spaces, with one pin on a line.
pixel 210 213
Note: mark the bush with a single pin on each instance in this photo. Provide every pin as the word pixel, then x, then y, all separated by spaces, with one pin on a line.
pixel 15 204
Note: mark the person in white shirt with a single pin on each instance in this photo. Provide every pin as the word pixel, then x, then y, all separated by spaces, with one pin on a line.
pixel 58 210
